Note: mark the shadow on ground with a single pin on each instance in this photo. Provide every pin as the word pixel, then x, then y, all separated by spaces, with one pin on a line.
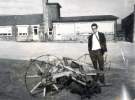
pixel 12 85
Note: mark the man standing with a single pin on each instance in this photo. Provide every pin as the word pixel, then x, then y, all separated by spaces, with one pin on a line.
pixel 97 48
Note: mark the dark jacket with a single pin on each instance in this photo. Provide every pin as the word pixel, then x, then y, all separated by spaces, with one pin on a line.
pixel 102 41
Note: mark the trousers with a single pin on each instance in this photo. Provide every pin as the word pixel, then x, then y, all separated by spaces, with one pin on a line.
pixel 98 64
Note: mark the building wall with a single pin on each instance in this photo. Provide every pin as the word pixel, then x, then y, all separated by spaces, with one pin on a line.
pixel 51 12
pixel 29 33
pixel 81 30
pixel 128 27
pixel 54 13
pixel 14 31
pixel 22 33
pixel 6 33
pixel 134 24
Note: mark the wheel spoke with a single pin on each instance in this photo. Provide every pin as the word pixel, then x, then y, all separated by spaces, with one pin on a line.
pixel 35 87
pixel 44 92
pixel 39 67
pixel 53 69
pixel 54 85
pixel 32 76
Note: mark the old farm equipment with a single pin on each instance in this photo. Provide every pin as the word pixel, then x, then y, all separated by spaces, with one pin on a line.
pixel 48 74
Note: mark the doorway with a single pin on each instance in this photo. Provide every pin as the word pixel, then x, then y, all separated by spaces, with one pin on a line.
pixel 35 33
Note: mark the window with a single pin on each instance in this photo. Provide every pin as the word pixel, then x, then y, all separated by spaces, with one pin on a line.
pixel 5 31
pixel 35 27
pixel 23 30
pixel 23 34
pixel 50 31
pixel 5 34
pixel 9 34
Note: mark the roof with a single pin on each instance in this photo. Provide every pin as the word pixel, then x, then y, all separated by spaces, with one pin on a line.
pixel 87 18
pixel 131 14
pixel 54 4
pixel 32 19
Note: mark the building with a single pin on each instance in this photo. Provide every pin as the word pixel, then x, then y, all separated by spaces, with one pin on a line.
pixel 128 26
pixel 78 28
pixel 20 27
pixel 32 27
pixel 27 27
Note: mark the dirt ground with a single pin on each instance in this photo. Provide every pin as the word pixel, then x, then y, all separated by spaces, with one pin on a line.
pixel 12 71
pixel 13 87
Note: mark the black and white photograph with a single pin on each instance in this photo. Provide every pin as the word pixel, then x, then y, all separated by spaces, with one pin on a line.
pixel 67 50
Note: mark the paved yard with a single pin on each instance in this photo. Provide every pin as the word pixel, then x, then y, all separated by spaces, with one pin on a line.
pixel 14 56
pixel 27 50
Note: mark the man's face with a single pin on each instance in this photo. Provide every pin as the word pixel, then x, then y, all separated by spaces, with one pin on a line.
pixel 94 29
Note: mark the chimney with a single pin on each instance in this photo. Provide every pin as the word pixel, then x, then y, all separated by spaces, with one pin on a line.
pixel 45 20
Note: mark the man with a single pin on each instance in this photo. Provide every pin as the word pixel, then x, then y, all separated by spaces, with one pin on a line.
pixel 97 48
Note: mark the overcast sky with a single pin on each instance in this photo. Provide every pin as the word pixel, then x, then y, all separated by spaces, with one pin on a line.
pixel 120 8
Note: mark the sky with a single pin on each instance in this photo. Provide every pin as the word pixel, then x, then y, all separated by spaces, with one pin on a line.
pixel 119 8
pixel 96 7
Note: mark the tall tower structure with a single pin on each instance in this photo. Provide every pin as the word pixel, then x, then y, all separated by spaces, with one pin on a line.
pixel 51 12
pixel 45 20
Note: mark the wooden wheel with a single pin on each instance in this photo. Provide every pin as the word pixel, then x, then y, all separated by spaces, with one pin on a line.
pixel 39 75
pixel 85 59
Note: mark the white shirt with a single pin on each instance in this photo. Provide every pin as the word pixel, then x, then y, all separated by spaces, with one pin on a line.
pixel 95 42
